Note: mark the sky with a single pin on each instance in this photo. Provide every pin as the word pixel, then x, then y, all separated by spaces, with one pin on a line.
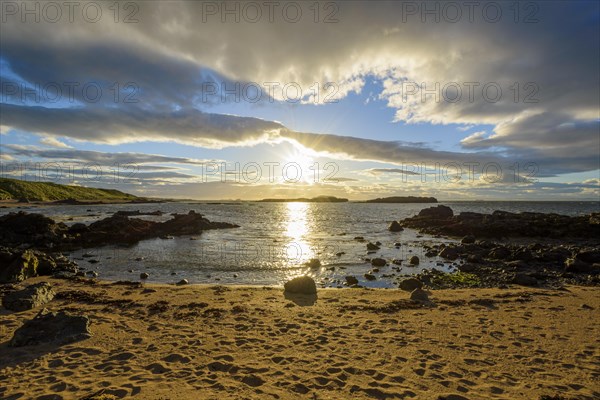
pixel 248 100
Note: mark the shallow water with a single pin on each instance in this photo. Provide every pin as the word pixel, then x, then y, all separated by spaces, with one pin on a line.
pixel 275 241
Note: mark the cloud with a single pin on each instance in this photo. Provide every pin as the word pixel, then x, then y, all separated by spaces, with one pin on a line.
pixel 132 124
pixel 97 157
pixel 547 114
pixel 53 142
pixel 377 171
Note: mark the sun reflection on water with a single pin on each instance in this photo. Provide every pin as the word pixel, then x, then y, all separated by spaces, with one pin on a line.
pixel 298 250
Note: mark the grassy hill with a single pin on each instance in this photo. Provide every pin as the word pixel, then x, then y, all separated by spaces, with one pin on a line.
pixel 47 191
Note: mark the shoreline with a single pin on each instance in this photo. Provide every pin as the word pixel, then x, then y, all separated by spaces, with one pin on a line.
pixel 152 341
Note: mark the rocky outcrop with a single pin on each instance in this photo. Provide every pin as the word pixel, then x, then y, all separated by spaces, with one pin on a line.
pixel 17 265
pixel 441 220
pixel 40 232
pixel 31 297
pixel 52 327
pixel 33 230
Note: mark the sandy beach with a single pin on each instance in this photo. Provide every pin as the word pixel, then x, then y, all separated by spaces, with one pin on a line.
pixel 236 342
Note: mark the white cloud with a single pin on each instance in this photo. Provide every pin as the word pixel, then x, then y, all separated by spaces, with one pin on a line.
pixel 53 142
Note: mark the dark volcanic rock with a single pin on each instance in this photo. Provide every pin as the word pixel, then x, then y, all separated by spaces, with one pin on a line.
pixel 439 212
pixel 370 277
pixel 419 295
pixel 440 220
pixel 414 260
pixel 30 297
pixel 47 327
pixel 372 247
pixel 40 232
pixel 34 229
pixel 449 253
pixel 302 285
pixel 378 262
pixel 469 239
pixel 395 227
pixel 351 280
pixel 499 253
pixel 525 280
pixel 410 284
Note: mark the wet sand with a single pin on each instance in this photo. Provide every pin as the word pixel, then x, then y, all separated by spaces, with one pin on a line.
pixel 235 342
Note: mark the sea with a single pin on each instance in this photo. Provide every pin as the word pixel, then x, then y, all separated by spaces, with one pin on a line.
pixel 275 241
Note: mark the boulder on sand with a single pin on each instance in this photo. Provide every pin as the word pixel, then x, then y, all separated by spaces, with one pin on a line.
pixel 419 295
pixel 47 327
pixel 30 297
pixel 301 285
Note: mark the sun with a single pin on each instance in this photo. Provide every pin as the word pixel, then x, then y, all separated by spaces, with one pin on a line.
pixel 300 166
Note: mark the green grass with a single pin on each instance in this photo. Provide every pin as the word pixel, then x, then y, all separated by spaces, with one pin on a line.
pixel 47 191
pixel 458 279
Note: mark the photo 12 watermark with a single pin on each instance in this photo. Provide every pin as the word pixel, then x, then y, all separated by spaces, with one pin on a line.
pixel 252 12
pixel 53 12
pixel 452 12
pixel 69 172
pixel 69 92
pixel 469 92
pixel 268 172
pixel 254 92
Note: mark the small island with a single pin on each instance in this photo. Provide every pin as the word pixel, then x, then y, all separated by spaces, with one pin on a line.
pixel 318 199
pixel 403 199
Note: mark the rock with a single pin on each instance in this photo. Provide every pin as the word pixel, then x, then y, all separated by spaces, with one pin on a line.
pixel 414 260
pixel 46 264
pixel 182 282
pixel 378 262
pixel 372 247
pixel 21 267
pixel 359 238
pixel 410 284
pixel 499 253
pixel 578 266
pixel 439 212
pixel 36 229
pixel 589 256
pixel 397 261
pixel 395 227
pixel 351 280
pixel 449 253
pixel 339 254
pixel 467 267
pixel 47 327
pixel 370 277
pixel 301 284
pixel 314 263
pixel 144 275
pixel 419 295
pixel 524 280
pixel 397 244
pixel 30 297
pixel 78 228
pixel 469 239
